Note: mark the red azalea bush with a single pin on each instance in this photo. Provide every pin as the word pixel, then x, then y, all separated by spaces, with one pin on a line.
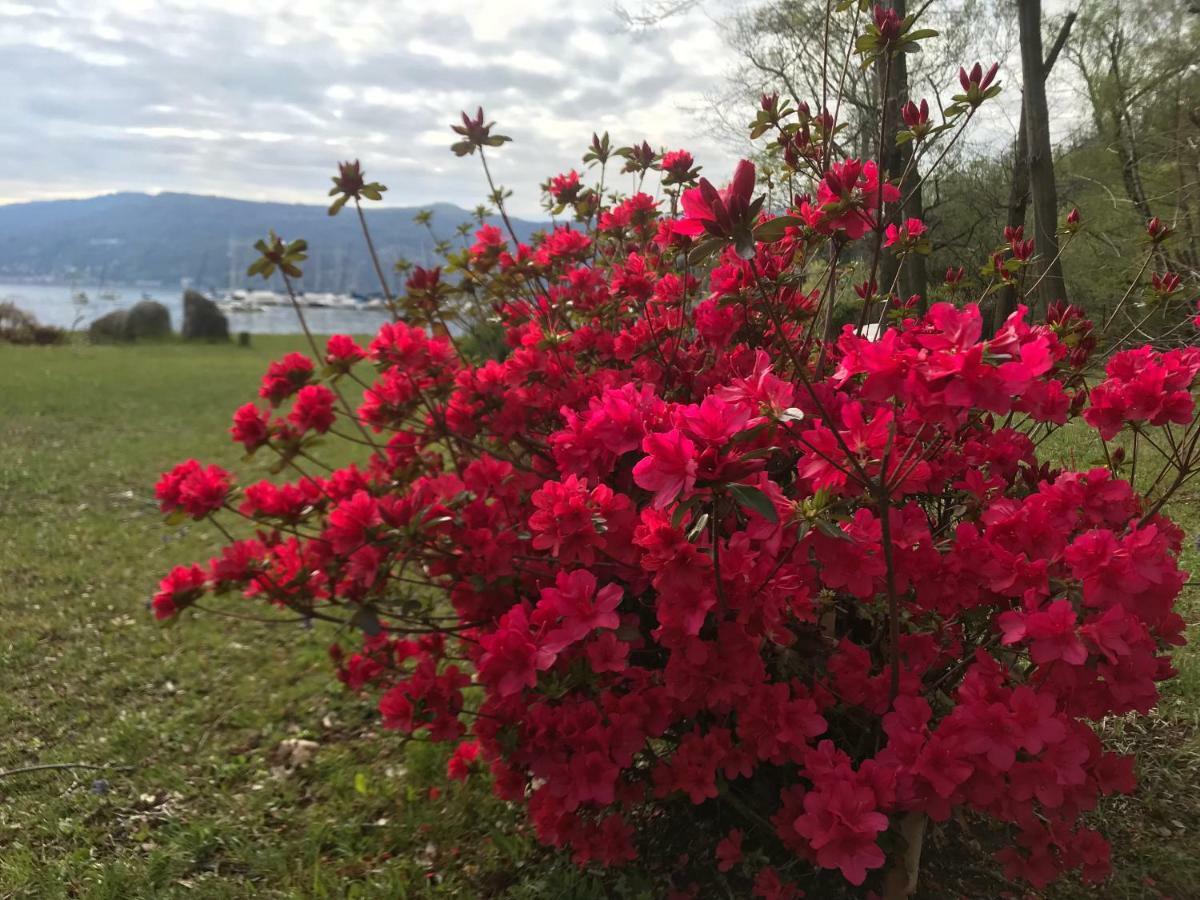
pixel 688 555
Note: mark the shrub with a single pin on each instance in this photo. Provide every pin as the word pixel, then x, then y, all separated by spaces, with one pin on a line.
pixel 20 327
pixel 692 565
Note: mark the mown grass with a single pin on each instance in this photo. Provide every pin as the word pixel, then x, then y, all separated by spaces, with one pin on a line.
pixel 198 712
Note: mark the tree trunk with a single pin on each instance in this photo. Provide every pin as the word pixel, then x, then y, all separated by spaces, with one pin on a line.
pixel 1041 162
pixel 896 159
pixel 1018 193
pixel 1126 141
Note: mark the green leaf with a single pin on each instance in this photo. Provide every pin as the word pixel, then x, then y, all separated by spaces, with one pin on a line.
pixel 754 500
pixel 750 434
pixel 682 509
pixel 337 205
pixel 744 244
pixel 831 530
pixel 360 783
pixel 506 844
pixel 920 34
pixel 704 249
pixel 365 618
pixel 773 229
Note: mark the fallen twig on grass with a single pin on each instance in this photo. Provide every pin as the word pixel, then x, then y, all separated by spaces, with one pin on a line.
pixel 44 767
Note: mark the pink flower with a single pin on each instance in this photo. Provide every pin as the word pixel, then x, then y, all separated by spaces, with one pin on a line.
pixel 729 850
pixel 459 765
pixel 908 233
pixel 669 468
pixel 192 489
pixel 841 822
pixel 848 195
pixel 313 410
pixel 719 213
pixel 285 376
pixel 577 608
pixel 341 352
pixel 182 587
pixel 251 427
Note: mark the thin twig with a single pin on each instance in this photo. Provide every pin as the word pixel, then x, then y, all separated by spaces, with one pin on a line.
pixel 47 767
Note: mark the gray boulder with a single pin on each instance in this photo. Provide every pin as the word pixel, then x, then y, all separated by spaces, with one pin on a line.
pixel 202 320
pixel 148 319
pixel 113 326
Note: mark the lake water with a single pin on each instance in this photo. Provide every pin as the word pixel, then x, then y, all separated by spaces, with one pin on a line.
pixel 53 305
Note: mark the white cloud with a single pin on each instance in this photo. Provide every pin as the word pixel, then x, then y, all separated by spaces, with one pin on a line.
pixel 262 98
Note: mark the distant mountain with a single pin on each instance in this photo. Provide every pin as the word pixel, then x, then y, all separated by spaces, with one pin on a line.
pixel 131 238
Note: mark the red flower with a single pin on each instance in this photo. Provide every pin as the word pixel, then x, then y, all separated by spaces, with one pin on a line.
pixel 576 608
pixel 341 352
pixel 459 765
pixel 669 468
pixel 908 233
pixel 916 118
pixel 510 660
pixel 729 850
pixel 181 588
pixel 565 188
pixel 846 197
pixel 976 83
pixel 769 886
pixel 285 376
pixel 721 213
pixel 192 489
pixel 251 427
pixel 841 822
pixel 313 410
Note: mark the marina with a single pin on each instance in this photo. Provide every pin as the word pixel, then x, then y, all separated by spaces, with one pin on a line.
pixel 255 311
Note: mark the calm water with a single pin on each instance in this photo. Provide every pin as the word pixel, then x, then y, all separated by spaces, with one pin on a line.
pixel 52 304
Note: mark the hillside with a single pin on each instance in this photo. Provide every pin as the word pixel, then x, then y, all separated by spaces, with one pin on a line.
pixel 131 238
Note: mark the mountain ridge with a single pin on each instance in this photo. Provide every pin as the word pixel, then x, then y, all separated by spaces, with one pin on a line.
pixel 130 237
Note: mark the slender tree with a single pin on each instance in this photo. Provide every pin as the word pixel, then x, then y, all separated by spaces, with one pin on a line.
pixel 1018 196
pixel 913 277
pixel 1036 118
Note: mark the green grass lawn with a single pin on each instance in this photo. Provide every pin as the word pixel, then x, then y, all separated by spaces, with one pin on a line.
pixel 198 712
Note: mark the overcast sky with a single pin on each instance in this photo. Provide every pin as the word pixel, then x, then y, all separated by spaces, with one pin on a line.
pixel 260 98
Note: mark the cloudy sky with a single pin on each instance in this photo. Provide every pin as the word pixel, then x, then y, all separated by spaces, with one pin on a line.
pixel 260 98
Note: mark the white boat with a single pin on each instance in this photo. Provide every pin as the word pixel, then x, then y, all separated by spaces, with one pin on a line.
pixel 79 298
pixel 266 298
pixel 239 306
